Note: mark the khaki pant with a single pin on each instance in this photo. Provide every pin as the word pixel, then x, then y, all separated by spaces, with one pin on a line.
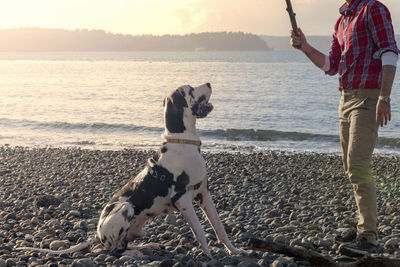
pixel 358 134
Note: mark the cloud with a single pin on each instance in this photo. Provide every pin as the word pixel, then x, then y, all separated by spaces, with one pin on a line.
pixel 315 17
pixel 190 19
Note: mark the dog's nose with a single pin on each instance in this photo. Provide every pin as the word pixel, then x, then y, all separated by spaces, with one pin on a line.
pixel 209 85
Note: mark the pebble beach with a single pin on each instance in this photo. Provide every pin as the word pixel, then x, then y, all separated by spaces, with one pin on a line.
pixel 52 198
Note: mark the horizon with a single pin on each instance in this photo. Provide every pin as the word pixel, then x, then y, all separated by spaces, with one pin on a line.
pixel 178 17
pixel 144 34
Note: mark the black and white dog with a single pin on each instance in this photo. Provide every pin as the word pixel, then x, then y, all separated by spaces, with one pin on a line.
pixel 173 178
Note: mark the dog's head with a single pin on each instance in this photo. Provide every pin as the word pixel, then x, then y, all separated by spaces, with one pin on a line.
pixel 186 104
pixel 114 223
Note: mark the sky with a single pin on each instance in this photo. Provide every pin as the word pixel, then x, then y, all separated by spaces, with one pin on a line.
pixel 158 17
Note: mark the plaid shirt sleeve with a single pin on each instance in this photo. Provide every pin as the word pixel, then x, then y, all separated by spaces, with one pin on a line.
pixel 334 54
pixel 380 26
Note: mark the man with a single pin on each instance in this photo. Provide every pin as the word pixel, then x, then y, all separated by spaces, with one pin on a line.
pixel 364 54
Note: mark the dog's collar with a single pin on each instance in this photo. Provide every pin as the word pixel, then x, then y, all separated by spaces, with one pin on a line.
pixel 183 141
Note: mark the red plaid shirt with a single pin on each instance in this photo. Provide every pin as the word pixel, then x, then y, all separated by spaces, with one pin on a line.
pixel 363 33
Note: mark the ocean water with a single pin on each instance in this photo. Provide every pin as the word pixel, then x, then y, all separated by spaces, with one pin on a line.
pixel 274 100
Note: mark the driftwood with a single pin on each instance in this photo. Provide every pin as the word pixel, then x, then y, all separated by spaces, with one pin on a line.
pixel 317 259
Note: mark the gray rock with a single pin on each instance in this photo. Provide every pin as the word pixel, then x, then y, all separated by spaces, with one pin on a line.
pixel 4 172
pixel 77 264
pixel 286 229
pixel 86 262
pixel 125 258
pixel 392 243
pixel 11 262
pixel 10 216
pixel 74 213
pixel 167 263
pixel 171 219
pixel 280 239
pixel 118 263
pixel 247 264
pixel 277 263
pixel 110 259
pixel 215 263
pixel 56 245
pixel 3 263
pixel 80 225
pixel 7 248
pixel 46 201
pixel 147 251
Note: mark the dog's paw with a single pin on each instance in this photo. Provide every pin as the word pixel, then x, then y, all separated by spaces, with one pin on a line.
pixel 237 251
pixel 133 253
pixel 154 246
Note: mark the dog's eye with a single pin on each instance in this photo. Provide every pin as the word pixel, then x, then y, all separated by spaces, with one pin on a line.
pixel 202 98
pixel 191 92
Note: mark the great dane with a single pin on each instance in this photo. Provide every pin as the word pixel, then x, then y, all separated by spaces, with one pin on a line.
pixel 173 178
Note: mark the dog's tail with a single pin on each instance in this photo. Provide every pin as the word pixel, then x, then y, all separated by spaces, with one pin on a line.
pixel 72 249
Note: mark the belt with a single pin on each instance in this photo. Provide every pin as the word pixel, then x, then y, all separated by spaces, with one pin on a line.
pixel 361 92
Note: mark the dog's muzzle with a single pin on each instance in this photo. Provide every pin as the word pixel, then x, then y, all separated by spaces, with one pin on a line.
pixel 203 110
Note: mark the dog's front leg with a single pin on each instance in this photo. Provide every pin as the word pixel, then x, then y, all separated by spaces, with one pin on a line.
pixel 185 206
pixel 208 207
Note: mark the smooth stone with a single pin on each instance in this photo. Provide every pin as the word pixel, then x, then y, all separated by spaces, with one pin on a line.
pixel 125 258
pixel 392 243
pixel 286 229
pixel 74 213
pixel 80 225
pixel 56 245
pixel 147 251
pixel 199 264
pixel 118 263
pixel 77 264
pixel 280 239
pixel 10 216
pixel 11 262
pixel 6 248
pixel 295 242
pixel 46 201
pixel 28 237
pixel 215 263
pixel 281 262
pixel 247 264
pixel 86 262
pixel 167 263
pixel 171 219
pixel 277 263
pixel 110 259
pixel 179 250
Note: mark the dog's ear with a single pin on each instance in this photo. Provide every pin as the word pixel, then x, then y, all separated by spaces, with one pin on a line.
pixel 174 112
pixel 178 99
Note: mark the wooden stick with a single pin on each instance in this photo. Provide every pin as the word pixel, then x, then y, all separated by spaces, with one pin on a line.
pixel 317 259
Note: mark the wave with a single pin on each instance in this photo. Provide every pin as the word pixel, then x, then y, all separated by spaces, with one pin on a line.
pixel 273 135
pixel 266 135
pixel 252 135
pixel 90 127
pixel 389 142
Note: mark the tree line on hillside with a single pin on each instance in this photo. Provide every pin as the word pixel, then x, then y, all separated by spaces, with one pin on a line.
pixel 38 39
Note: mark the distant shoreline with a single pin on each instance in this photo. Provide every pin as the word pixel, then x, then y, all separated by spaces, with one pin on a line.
pixel 83 40
pixel 38 39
